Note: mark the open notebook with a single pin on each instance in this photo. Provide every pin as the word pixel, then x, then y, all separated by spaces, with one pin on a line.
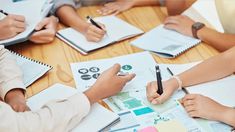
pixel 33 11
pixel 221 90
pixel 117 30
pixel 98 119
pixel 32 69
pixel 165 43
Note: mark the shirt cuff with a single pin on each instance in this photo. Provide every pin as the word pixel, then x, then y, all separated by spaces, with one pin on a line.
pixel 10 85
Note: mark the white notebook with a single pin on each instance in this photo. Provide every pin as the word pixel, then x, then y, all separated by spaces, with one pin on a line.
pixel 117 30
pixel 98 119
pixel 165 43
pixel 33 11
pixel 221 90
pixel 32 69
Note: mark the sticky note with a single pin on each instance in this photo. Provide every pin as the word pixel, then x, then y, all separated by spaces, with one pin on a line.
pixel 148 129
pixel 171 126
pixel 142 111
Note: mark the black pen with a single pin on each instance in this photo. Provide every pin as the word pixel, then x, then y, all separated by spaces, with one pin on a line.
pixel 94 23
pixel 3 12
pixel 159 80
pixel 183 88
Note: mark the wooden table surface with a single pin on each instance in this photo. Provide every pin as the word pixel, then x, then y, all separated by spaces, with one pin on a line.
pixel 60 55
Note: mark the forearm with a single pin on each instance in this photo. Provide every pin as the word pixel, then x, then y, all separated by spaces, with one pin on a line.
pixel 145 2
pixel 176 7
pixel 212 69
pixel 220 41
pixel 68 16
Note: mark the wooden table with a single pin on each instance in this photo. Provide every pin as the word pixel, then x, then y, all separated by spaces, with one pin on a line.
pixel 60 55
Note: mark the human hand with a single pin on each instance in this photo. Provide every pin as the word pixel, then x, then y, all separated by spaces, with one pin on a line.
pixel 201 106
pixel 108 84
pixel 11 25
pixel 169 87
pixel 116 7
pixel 180 23
pixel 93 33
pixel 15 98
pixel 45 30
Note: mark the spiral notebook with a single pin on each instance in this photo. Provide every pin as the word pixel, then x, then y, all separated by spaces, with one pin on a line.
pixel 32 69
pixel 165 43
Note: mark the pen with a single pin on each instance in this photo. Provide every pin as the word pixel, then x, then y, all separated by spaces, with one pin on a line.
pixel 94 23
pixel 3 12
pixel 159 80
pixel 183 88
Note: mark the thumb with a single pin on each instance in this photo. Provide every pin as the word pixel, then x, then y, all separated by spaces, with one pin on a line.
pixel 41 24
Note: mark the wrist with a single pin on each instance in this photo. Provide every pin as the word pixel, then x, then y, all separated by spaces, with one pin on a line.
pixel 172 84
pixel 14 93
pixel 92 97
pixel 227 116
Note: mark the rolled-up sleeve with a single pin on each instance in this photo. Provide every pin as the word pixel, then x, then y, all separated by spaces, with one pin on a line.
pixel 57 116
pixel 11 76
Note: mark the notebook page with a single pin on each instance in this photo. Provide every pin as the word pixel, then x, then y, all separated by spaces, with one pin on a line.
pixel 115 31
pixel 32 70
pixel 167 42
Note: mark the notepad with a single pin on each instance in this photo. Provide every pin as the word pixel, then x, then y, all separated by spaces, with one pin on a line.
pixel 32 69
pixel 33 11
pixel 98 119
pixel 117 30
pixel 165 43
pixel 221 90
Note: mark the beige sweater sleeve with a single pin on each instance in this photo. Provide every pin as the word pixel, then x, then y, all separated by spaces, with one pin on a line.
pixel 57 116
pixel 10 74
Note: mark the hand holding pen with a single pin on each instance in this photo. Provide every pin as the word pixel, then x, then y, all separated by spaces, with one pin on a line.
pixel 160 91
pixel 95 31
pixel 11 25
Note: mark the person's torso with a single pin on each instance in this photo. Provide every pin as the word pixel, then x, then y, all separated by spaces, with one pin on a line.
pixel 226 12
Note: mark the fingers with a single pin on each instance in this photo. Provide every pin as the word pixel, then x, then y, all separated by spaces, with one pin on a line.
pixel 108 9
pixel 17 18
pixel 115 69
pixel 44 36
pixel 189 97
pixel 94 33
pixel 19 108
pixel 129 77
pixel 42 24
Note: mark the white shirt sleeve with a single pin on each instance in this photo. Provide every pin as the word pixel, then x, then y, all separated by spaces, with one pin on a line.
pixel 56 116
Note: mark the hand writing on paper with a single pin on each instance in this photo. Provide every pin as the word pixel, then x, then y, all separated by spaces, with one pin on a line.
pixel 116 7
pixel 45 30
pixel 180 23
pixel 93 33
pixel 169 88
pixel 11 25
pixel 108 84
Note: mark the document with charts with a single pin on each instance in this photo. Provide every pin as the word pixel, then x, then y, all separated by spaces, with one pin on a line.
pixel 142 64
pixel 117 30
pixel 165 43
pixel 33 11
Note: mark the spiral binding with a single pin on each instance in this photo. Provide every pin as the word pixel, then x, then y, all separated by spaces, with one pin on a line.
pixel 187 48
pixel 35 61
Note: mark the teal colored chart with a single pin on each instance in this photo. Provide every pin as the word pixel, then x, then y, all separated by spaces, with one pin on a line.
pixel 127 67
pixel 132 103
